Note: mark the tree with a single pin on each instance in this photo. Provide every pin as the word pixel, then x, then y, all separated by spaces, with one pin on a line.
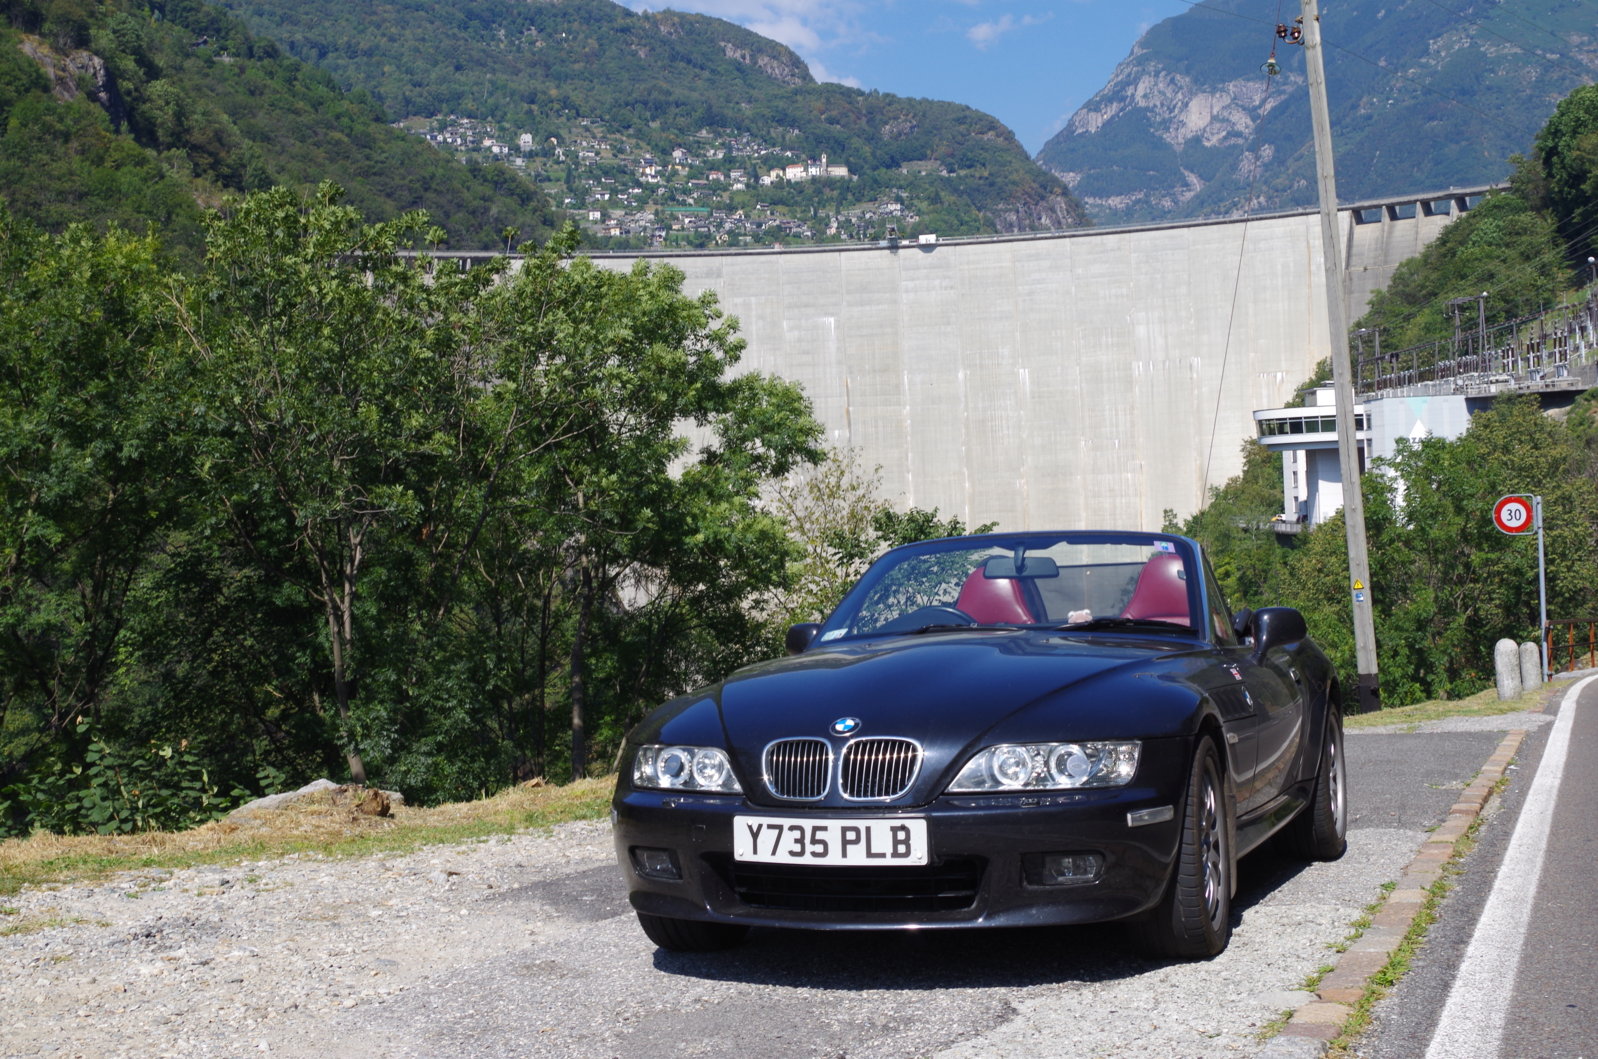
pixel 86 478
pixel 1446 585
pixel 839 522
pixel 1503 247
pixel 634 503
pixel 1234 527
pixel 1452 584
pixel 1567 150
pixel 322 391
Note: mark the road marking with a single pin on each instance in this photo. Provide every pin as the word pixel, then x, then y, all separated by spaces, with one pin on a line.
pixel 1472 1023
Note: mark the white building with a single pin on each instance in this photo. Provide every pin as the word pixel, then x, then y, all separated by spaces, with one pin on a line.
pixel 1312 479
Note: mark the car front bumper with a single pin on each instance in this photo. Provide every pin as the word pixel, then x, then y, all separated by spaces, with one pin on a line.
pixel 986 861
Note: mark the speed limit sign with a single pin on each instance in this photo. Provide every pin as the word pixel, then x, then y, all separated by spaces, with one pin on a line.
pixel 1512 514
pixel 1518 516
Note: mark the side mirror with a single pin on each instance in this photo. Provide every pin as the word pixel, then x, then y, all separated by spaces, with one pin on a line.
pixel 1277 627
pixel 801 636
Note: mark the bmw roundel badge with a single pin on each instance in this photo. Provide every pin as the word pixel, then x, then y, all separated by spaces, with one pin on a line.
pixel 846 726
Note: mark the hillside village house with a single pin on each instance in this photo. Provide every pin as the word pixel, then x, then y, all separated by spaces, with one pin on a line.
pixel 811 170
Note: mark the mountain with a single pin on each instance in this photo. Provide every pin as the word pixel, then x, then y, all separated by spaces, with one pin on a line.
pixel 1423 96
pixel 591 84
pixel 142 114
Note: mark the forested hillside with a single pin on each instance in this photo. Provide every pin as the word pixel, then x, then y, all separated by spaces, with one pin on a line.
pixel 319 508
pixel 1446 584
pixel 1423 97
pixel 665 80
pixel 142 114
pixel 1524 249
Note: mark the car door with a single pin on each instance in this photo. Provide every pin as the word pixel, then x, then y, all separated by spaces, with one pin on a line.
pixel 1277 707
pixel 1261 703
pixel 1227 688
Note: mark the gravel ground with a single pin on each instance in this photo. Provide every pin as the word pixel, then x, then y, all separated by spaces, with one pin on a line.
pixel 524 946
pixel 229 961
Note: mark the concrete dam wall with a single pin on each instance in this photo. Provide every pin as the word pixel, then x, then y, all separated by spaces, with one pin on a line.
pixel 1083 379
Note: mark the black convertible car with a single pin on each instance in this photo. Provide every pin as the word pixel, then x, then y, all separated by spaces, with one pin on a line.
pixel 1002 730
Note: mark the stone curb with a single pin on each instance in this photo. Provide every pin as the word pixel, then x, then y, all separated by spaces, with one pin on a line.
pixel 1316 1022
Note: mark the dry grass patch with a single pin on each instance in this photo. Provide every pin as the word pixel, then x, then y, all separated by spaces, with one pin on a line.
pixel 1482 704
pixel 314 824
pixel 49 919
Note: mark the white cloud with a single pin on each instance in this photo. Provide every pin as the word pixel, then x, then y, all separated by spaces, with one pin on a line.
pixel 786 29
pixel 821 73
pixel 809 27
pixel 985 34
pixel 801 24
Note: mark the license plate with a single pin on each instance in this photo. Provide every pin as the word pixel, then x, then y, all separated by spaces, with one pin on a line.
pixel 784 840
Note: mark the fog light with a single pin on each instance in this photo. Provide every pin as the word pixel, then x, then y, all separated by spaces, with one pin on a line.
pixel 656 863
pixel 1063 869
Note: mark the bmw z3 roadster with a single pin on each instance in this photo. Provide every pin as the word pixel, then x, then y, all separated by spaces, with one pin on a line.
pixel 1011 729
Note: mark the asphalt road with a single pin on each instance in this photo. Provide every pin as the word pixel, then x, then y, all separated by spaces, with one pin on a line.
pixel 586 982
pixel 1508 970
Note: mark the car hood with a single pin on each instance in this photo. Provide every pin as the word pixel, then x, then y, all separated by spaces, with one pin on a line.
pixel 953 692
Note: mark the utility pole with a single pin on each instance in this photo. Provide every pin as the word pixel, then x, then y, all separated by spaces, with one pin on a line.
pixel 1369 685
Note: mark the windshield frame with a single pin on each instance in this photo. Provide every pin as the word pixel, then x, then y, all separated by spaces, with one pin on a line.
pixel 840 625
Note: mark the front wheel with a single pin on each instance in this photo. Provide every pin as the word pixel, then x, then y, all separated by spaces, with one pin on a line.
pixel 690 935
pixel 1194 917
pixel 1320 831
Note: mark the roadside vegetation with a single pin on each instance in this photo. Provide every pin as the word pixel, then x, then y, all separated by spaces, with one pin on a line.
pixel 311 826
pixel 316 826
pixel 1445 584
pixel 324 509
pixel 1482 704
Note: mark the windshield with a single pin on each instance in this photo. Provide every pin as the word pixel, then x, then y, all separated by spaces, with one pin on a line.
pixel 1024 579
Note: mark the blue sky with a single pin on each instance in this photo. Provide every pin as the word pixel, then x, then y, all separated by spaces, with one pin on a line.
pixel 1029 64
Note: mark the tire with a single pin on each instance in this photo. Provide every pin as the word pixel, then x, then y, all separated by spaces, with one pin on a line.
pixel 1320 830
pixel 690 935
pixel 1194 917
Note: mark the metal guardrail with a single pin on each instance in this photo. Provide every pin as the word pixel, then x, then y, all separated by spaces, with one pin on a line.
pixel 1571 644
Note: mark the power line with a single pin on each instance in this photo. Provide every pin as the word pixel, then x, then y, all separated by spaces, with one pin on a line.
pixel 1237 279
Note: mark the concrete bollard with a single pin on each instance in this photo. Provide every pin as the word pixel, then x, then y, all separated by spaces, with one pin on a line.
pixel 1531 666
pixel 1506 668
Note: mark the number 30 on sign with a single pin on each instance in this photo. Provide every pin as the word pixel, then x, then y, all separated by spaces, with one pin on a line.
pixel 1512 514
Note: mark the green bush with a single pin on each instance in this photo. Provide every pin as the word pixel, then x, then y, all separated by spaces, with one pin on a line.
pixel 155 787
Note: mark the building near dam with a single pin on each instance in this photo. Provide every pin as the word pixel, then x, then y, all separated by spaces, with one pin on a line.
pixel 1092 378
pixel 1407 397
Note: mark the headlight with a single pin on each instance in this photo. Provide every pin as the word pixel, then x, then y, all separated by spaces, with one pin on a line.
pixel 1048 766
pixel 684 768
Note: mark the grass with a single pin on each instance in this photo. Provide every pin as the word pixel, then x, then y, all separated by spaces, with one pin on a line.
pixel 47 921
pixel 1398 964
pixel 312 825
pixel 1482 704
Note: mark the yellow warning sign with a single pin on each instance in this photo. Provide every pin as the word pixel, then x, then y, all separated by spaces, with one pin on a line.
pixel 1358 584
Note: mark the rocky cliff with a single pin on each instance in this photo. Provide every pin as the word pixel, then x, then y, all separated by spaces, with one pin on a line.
pixel 1192 124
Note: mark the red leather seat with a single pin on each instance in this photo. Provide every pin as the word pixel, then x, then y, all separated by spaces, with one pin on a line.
pixel 993 600
pixel 1161 591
